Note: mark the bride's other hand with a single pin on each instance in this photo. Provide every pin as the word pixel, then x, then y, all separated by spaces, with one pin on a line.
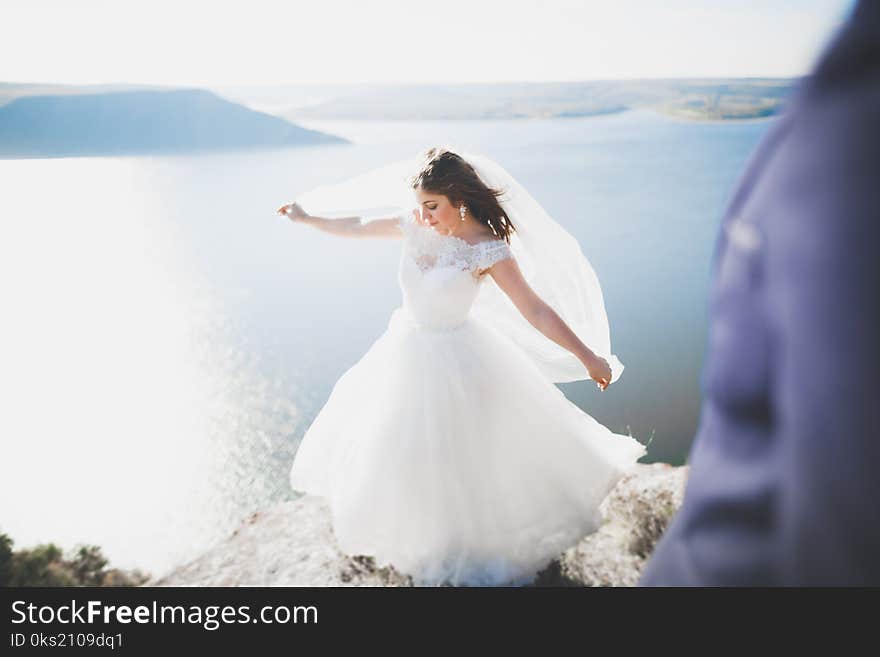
pixel 600 372
pixel 292 210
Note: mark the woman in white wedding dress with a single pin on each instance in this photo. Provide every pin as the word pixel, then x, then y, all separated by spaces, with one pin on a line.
pixel 447 451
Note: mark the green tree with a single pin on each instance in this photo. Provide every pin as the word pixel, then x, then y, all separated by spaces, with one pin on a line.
pixel 46 565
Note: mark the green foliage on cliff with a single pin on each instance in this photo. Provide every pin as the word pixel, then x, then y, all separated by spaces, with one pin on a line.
pixel 46 565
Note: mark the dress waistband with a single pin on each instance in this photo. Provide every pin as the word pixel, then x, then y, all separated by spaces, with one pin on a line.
pixel 403 317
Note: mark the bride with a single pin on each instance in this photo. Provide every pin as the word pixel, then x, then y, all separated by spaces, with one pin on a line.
pixel 447 451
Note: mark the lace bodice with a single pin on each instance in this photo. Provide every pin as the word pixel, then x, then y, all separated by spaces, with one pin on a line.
pixel 430 249
pixel 439 275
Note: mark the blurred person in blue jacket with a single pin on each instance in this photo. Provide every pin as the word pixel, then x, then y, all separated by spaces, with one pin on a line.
pixel 784 483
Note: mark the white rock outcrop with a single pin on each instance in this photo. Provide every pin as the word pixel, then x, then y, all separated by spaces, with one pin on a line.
pixel 292 544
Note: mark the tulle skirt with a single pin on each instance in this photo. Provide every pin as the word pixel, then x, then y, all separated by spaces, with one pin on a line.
pixel 447 455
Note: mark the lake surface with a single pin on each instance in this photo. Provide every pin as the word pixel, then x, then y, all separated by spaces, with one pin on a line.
pixel 168 338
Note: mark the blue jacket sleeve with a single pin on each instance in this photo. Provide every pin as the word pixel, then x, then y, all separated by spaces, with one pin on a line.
pixel 823 306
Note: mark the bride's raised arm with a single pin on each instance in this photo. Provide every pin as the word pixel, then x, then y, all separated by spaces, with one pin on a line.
pixel 344 226
pixel 509 278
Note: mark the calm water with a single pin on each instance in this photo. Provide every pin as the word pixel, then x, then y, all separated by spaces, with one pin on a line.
pixel 167 338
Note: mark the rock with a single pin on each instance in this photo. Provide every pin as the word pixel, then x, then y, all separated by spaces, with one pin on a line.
pixel 636 513
pixel 292 544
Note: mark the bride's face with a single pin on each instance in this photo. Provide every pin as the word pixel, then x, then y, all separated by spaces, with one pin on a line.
pixel 437 211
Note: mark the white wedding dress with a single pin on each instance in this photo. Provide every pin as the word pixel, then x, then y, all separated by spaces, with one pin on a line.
pixel 444 451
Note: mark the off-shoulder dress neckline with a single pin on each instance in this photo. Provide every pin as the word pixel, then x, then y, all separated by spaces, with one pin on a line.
pixel 460 239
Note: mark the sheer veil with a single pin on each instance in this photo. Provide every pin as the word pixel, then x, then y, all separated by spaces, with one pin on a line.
pixel 549 257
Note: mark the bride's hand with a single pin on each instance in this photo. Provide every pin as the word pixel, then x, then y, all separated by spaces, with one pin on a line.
pixel 600 372
pixel 292 210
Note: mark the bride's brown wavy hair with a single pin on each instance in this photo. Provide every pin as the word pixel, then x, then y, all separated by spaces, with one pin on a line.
pixel 445 172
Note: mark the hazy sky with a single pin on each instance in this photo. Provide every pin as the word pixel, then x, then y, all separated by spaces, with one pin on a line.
pixel 220 42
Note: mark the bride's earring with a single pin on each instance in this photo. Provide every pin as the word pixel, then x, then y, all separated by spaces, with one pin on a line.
pixel 461 211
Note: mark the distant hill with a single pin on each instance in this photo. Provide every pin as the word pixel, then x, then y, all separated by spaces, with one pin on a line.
pixel 9 91
pixel 735 98
pixel 141 122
